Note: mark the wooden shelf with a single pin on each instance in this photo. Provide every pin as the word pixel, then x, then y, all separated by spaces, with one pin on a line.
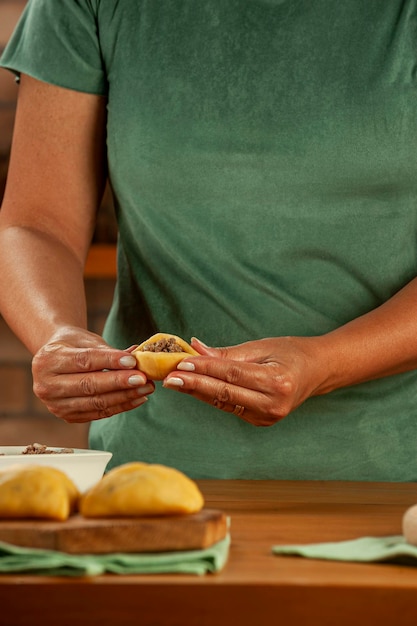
pixel 101 261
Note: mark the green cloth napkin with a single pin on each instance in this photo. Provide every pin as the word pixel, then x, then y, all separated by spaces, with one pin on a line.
pixel 393 549
pixel 16 559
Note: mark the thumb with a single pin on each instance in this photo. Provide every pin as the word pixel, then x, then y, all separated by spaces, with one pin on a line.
pixel 234 353
pixel 202 348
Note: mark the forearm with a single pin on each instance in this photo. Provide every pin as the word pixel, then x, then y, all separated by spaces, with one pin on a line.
pixel 378 344
pixel 54 185
pixel 41 285
pixel 276 375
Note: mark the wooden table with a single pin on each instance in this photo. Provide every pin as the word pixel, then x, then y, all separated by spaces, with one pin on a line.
pixel 255 588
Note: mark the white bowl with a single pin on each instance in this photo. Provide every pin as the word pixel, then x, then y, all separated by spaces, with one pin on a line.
pixel 84 467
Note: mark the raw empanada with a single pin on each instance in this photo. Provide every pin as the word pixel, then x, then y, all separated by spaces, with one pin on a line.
pixel 160 354
pixel 36 491
pixel 140 489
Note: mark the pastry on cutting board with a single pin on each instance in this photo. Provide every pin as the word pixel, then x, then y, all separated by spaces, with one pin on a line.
pixel 35 491
pixel 141 489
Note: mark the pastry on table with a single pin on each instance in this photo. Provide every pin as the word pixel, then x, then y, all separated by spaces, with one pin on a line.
pixel 141 489
pixel 35 491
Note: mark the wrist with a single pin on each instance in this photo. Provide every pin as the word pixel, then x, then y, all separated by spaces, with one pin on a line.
pixel 357 353
pixel 330 359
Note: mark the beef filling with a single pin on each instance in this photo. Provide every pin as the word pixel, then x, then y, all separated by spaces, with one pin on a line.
pixel 163 345
pixel 40 448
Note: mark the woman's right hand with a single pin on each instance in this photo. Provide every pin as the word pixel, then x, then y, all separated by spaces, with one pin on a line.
pixel 80 378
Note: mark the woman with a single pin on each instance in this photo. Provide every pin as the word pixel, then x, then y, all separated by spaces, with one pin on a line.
pixel 262 155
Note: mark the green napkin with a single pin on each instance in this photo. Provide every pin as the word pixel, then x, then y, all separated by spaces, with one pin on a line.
pixel 393 549
pixel 16 559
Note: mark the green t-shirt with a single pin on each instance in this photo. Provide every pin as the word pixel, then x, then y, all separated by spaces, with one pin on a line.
pixel 263 157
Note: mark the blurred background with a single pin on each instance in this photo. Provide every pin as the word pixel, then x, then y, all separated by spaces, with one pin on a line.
pixel 23 418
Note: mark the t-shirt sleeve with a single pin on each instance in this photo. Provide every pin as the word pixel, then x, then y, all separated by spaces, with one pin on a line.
pixel 57 41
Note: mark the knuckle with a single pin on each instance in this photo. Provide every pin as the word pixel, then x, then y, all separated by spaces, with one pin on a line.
pixel 44 355
pixel 283 385
pixel 106 412
pixel 233 374
pixel 97 403
pixel 223 394
pixel 40 390
pixel 87 386
pixel 83 359
pixel 38 362
pixel 100 407
pixel 222 352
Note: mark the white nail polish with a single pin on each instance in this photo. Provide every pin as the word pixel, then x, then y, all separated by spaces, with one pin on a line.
pixel 127 361
pixel 135 380
pixel 186 366
pixel 173 381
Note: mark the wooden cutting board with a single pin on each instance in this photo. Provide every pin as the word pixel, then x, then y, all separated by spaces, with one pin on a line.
pixel 79 535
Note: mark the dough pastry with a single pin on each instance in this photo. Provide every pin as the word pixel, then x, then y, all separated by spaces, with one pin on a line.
pixel 36 491
pixel 140 489
pixel 160 354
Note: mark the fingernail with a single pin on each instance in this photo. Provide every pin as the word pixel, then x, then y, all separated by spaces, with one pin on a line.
pixel 145 389
pixel 127 361
pixel 136 380
pixel 140 401
pixel 186 366
pixel 173 381
pixel 199 341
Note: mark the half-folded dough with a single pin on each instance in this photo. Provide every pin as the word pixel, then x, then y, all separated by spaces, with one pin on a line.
pixel 35 491
pixel 142 489
pixel 160 354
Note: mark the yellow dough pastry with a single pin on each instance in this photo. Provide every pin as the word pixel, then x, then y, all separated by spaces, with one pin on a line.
pixel 160 354
pixel 140 489
pixel 36 491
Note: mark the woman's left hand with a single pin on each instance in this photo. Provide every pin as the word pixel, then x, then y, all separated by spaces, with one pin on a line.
pixel 260 381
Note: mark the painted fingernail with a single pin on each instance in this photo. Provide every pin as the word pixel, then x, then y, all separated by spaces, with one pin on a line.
pixel 186 366
pixel 173 381
pixel 143 390
pixel 140 401
pixel 127 361
pixel 136 380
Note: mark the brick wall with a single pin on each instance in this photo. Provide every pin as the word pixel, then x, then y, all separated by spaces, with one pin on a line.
pixel 23 418
pixel 9 13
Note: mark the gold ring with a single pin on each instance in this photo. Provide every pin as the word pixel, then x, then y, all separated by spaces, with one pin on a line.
pixel 239 410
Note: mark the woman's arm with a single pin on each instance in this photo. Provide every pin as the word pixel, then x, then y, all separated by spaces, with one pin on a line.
pixel 55 182
pixel 269 378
